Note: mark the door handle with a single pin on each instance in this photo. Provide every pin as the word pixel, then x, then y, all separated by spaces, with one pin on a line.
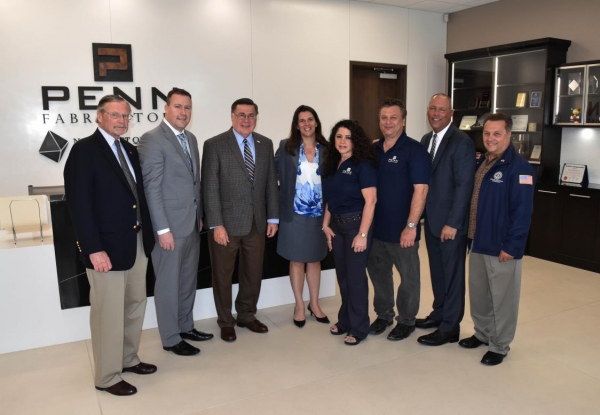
pixel 546 191
pixel 582 196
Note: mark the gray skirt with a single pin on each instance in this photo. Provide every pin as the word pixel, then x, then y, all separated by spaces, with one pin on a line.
pixel 301 239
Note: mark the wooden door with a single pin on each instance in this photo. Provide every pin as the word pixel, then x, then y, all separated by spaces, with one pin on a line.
pixel 368 88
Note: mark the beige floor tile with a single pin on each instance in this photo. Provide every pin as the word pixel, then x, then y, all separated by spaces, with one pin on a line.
pixel 571 338
pixel 526 383
pixel 222 373
pixel 327 397
pixel 50 380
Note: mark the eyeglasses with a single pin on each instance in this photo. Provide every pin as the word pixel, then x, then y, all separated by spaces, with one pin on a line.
pixel 243 116
pixel 116 115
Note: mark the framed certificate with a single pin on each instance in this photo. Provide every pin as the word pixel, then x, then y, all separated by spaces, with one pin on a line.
pixel 519 122
pixel 467 121
pixel 536 99
pixel 574 173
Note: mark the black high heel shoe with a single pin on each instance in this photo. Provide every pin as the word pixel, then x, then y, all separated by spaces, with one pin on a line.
pixel 323 319
pixel 299 323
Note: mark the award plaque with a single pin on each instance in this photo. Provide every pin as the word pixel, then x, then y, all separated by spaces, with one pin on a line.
pixel 536 153
pixel 532 126
pixel 574 173
pixel 521 99
pixel 536 99
pixel 473 102
pixel 485 100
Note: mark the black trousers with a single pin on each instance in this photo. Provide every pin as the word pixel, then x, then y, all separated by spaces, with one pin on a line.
pixel 447 266
pixel 351 270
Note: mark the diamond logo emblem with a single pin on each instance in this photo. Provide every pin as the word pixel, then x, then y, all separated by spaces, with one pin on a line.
pixel 53 147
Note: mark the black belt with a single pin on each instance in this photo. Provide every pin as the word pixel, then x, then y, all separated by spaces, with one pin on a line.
pixel 341 219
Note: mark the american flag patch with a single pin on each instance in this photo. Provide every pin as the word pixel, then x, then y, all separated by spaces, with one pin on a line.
pixel 525 179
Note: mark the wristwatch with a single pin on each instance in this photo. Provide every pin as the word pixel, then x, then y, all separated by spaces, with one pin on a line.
pixel 364 235
pixel 411 225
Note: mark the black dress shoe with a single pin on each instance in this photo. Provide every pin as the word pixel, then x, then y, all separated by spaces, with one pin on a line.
pixel 120 389
pixel 437 338
pixel 426 323
pixel 379 326
pixel 182 349
pixel 471 343
pixel 254 326
pixel 228 334
pixel 141 369
pixel 196 335
pixel 492 358
pixel 400 332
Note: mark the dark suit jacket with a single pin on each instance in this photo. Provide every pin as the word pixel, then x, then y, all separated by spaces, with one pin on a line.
pixel 287 168
pixel 451 185
pixel 172 190
pixel 102 205
pixel 230 197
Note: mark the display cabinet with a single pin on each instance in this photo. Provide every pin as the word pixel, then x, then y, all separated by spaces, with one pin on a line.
pixel 518 80
pixel 577 97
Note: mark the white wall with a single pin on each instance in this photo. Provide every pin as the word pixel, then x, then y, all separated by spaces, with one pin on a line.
pixel 282 53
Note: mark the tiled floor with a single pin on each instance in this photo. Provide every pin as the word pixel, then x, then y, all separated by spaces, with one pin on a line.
pixel 553 367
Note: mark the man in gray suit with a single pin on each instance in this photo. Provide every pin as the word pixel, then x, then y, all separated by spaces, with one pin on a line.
pixel 242 203
pixel 169 158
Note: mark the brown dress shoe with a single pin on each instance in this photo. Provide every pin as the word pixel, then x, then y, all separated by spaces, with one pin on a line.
pixel 141 369
pixel 228 334
pixel 120 389
pixel 255 326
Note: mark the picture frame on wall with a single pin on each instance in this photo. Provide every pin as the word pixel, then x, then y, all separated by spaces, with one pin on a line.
pixel 535 101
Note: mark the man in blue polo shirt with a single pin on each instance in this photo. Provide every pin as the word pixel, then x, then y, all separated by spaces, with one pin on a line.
pixel 402 185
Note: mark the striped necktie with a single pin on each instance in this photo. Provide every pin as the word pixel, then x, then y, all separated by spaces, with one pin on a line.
pixel 432 151
pixel 248 160
pixel 186 150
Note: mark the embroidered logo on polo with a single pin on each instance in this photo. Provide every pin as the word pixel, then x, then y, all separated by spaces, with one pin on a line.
pixel 497 177
pixel 347 171
pixel 393 160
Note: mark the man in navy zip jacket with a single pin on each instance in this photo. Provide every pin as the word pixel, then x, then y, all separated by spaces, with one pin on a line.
pixel 499 222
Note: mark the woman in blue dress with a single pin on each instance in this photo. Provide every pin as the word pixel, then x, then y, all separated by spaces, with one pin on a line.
pixel 350 192
pixel 301 241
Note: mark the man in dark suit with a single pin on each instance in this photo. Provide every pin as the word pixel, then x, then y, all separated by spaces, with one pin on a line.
pixel 241 201
pixel 105 195
pixel 452 155
pixel 170 163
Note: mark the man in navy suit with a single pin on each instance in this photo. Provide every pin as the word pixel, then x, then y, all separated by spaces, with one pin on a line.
pixel 452 155
pixel 105 195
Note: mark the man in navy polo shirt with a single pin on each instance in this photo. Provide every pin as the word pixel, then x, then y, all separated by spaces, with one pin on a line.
pixel 403 182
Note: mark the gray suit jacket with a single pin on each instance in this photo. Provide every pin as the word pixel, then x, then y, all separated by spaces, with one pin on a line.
pixel 172 190
pixel 287 167
pixel 230 198
pixel 451 185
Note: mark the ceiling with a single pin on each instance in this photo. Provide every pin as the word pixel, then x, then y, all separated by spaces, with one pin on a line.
pixel 445 6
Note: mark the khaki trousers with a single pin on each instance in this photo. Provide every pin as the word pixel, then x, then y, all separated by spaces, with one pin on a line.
pixel 118 305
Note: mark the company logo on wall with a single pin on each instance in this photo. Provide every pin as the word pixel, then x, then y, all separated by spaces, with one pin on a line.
pixel 112 62
pixel 53 147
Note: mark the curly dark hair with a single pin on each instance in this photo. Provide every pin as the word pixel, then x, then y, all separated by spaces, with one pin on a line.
pixel 362 150
pixel 295 138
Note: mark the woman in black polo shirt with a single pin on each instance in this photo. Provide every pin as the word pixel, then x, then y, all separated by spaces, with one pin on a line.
pixel 350 193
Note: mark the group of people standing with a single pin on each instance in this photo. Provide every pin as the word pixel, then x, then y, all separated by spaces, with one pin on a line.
pixel 361 200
